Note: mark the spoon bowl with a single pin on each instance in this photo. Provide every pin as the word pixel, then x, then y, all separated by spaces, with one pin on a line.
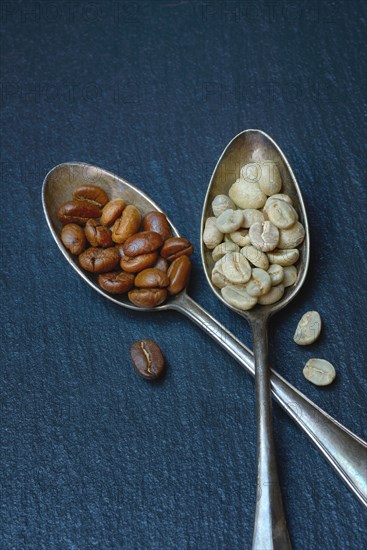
pixel 255 146
pixel 58 187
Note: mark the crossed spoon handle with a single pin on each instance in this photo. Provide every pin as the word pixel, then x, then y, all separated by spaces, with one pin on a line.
pixel 346 452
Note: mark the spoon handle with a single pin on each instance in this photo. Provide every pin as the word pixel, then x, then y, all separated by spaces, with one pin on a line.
pixel 345 451
pixel 270 529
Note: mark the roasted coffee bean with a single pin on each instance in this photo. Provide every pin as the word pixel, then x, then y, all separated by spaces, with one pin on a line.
pixel 142 243
pixel 161 264
pixel 91 193
pixel 126 225
pixel 147 297
pixel 156 221
pixel 152 278
pixel 148 359
pixel 97 234
pixel 175 247
pixel 116 282
pixel 119 248
pixel 73 238
pixel 134 265
pixel 78 212
pixel 112 210
pixel 179 274
pixel 99 260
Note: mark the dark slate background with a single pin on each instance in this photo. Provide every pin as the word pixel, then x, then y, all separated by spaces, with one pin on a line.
pixel 93 456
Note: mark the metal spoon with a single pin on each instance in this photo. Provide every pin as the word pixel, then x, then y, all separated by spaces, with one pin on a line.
pixel 254 146
pixel 341 448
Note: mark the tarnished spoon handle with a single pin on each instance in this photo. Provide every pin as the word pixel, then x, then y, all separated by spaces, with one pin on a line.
pixel 270 529
pixel 346 452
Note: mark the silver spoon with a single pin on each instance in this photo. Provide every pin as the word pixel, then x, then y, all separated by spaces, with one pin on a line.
pixel 341 448
pixel 253 146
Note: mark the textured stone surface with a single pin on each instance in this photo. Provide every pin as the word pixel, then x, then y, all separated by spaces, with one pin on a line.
pixel 92 456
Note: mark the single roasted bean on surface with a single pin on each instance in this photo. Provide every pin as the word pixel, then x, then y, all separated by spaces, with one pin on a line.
pixel 112 210
pixel 142 243
pixel 97 234
pixel 116 282
pixel 179 274
pixel 99 260
pixel 91 193
pixel 147 297
pixel 73 238
pixel 147 359
pixel 152 278
pixel 157 222
pixel 138 263
pixel 126 225
pixel 78 212
pixel 175 247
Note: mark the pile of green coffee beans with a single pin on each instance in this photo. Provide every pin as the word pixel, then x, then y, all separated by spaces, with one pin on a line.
pixel 254 235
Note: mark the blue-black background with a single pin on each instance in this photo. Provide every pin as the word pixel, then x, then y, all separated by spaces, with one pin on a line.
pixel 93 456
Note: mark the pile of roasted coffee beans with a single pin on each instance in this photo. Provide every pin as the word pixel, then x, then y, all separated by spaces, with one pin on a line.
pixel 108 234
